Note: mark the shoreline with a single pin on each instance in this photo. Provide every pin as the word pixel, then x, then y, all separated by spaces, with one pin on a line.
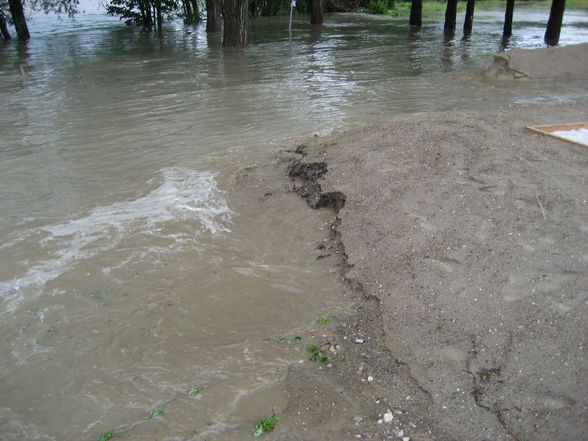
pixel 427 206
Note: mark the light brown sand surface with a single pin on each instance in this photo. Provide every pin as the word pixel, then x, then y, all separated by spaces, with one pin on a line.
pixel 465 240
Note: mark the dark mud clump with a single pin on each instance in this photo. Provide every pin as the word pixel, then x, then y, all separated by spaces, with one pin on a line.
pixel 308 186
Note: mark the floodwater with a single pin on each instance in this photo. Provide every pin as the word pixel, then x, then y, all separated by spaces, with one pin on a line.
pixel 140 256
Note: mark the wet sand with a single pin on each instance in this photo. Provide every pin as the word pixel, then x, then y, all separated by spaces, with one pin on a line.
pixel 461 239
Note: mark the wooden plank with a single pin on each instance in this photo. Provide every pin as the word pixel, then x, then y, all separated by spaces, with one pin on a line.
pixel 547 129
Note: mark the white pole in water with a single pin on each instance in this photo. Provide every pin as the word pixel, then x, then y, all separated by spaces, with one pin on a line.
pixel 292 6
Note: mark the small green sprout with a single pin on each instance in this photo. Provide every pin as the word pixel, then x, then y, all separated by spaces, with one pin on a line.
pixel 105 436
pixel 153 414
pixel 266 424
pixel 316 354
pixel 321 319
pixel 195 390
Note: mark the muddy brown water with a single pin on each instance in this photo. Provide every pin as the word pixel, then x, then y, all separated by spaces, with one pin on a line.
pixel 146 250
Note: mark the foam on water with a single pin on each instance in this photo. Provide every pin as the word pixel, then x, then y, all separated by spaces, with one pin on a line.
pixel 189 197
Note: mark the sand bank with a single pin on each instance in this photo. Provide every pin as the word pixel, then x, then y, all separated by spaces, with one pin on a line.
pixel 552 63
pixel 462 239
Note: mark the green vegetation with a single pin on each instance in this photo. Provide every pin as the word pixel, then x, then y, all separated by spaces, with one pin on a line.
pixel 322 319
pixel 150 13
pixel 570 4
pixel 195 390
pixel 153 414
pixel 316 354
pixel 101 295
pixel 105 436
pixel 377 7
pixel 402 9
pixel 266 424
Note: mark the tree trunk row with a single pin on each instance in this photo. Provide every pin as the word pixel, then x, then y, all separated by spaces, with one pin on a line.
pixel 151 15
pixel 551 34
pixel 236 12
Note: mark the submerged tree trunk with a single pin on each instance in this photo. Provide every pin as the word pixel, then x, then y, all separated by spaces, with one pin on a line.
pixel 191 13
pixel 159 15
pixel 507 30
pixel 19 20
pixel 554 23
pixel 187 10
pixel 4 27
pixel 148 22
pixel 416 13
pixel 235 28
pixel 450 15
pixel 213 22
pixel 195 11
pixel 469 17
pixel 316 16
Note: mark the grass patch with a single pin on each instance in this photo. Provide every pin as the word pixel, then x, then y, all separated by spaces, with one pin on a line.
pixel 316 354
pixel 430 9
pixel 322 319
pixel 266 424
pixel 153 414
pixel 195 390
pixel 570 4
pixel 105 436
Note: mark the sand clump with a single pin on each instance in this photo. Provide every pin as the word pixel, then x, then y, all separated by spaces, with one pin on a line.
pixel 561 63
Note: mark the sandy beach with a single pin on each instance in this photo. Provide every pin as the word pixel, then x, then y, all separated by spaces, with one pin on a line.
pixel 461 240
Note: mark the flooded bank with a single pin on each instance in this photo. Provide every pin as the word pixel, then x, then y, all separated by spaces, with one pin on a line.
pixel 145 249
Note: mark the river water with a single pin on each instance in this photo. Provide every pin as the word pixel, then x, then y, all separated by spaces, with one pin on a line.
pixel 139 258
